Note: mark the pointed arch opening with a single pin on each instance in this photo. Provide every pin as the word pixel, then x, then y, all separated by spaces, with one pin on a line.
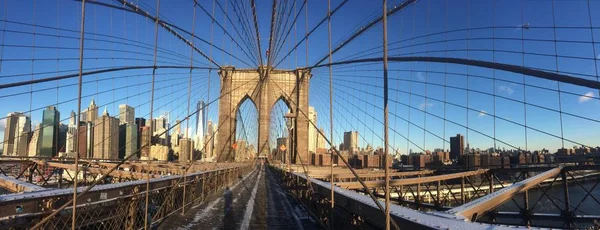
pixel 279 134
pixel 246 130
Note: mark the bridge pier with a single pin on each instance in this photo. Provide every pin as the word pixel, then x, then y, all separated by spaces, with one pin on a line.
pixel 263 87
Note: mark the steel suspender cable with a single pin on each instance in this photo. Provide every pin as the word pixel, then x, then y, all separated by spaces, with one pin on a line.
pixel 151 113
pixel 3 33
pixel 271 34
pixel 78 121
pixel 68 203
pixel 188 103
pixel 46 219
pixel 332 195
pixel 305 35
pixel 368 26
pixel 311 31
pixel 224 29
pixel 385 118
pixel 253 3
pixel 340 157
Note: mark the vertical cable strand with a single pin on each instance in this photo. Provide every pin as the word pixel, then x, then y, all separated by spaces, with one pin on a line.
pixel 151 111
pixel 81 35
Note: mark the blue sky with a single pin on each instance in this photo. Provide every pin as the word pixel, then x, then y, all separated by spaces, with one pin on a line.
pixel 417 93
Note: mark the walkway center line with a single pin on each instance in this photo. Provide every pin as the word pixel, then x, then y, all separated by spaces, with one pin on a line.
pixel 250 206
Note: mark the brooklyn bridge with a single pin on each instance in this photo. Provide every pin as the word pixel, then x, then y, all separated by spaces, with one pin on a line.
pixel 297 114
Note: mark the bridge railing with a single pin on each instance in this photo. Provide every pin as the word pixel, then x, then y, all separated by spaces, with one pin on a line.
pixel 116 206
pixel 554 202
pixel 353 210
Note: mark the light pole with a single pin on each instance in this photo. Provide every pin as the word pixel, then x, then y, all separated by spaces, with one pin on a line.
pixel 289 121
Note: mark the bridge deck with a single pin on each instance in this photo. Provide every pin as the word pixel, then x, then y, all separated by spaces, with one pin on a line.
pixel 258 203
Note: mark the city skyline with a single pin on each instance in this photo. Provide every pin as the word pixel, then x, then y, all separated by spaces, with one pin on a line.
pixel 123 110
pixel 63 141
pixel 494 115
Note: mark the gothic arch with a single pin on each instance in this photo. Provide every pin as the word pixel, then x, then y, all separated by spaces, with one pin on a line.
pixel 264 88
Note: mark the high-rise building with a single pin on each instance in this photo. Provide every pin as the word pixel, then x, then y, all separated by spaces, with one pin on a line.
pixel 91 113
pixel 48 139
pixel 159 152
pixel 85 142
pixel 457 146
pixel 71 130
pixel 128 140
pixel 312 130
pixel 16 134
pixel 126 114
pixel 320 139
pixel 140 122
pixel 160 130
pixel 185 150
pixel 210 140
pixel 200 122
pixel 159 124
pixel 145 135
pixel 62 137
pixel 175 134
pixel 34 143
pixel 106 137
pixel 351 141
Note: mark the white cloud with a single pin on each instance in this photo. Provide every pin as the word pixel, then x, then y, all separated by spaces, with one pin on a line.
pixel 518 27
pixel 424 105
pixel 2 124
pixel 586 97
pixel 522 26
pixel 506 89
pixel 482 113
pixel 420 76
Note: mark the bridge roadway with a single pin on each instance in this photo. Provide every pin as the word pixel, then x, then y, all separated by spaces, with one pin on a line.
pixel 258 203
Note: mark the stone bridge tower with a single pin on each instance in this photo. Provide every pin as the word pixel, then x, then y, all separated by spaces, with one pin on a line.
pixel 264 87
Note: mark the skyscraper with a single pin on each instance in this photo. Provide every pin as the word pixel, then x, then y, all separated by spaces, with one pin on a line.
pixel 185 150
pixel 159 126
pixel 128 140
pixel 140 122
pixel 210 142
pixel 71 130
pixel 145 135
pixel 175 134
pixel 106 137
pixel 159 152
pixel 457 146
pixel 91 113
pixel 200 118
pixel 16 134
pixel 62 137
pixel 34 143
pixel 351 141
pixel 312 130
pixel 321 139
pixel 85 142
pixel 200 131
pixel 48 138
pixel 126 114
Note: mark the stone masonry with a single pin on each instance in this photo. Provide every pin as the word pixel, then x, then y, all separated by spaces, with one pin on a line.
pixel 264 87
